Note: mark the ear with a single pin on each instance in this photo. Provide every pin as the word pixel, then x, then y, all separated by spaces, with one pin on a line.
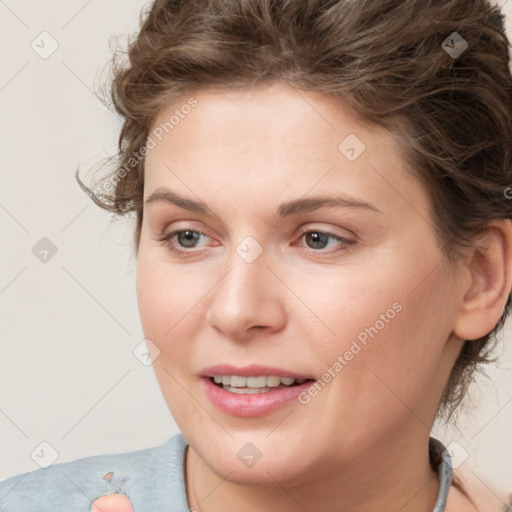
pixel 490 271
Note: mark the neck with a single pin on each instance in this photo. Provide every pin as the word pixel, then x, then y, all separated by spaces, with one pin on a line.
pixel 393 477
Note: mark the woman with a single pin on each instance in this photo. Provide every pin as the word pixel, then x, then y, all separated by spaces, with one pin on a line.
pixel 324 252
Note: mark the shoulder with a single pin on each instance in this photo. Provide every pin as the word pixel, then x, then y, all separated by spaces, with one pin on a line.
pixel 150 477
pixel 459 501
pixel 478 497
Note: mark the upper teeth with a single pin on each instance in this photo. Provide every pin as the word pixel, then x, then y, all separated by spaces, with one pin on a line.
pixel 264 381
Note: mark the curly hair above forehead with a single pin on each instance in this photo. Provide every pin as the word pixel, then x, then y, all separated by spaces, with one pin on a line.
pixel 433 73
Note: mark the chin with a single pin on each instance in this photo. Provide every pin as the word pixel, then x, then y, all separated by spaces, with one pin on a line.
pixel 240 461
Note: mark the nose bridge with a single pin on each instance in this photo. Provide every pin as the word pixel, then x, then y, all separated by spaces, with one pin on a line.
pixel 247 280
pixel 248 294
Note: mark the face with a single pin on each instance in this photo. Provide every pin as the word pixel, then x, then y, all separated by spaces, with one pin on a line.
pixel 298 245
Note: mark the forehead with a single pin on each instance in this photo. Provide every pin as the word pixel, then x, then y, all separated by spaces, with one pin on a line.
pixel 256 111
pixel 273 140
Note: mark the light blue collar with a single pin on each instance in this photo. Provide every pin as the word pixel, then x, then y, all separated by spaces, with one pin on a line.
pixel 437 451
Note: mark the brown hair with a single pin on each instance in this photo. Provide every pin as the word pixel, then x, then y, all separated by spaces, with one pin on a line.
pixel 398 64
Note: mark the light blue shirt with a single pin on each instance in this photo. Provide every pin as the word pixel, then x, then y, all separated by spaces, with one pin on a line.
pixel 153 479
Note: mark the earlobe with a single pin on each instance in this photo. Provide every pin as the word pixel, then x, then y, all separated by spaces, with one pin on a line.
pixel 490 269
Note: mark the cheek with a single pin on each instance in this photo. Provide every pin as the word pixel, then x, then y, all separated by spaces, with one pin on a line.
pixel 165 309
pixel 167 298
pixel 169 307
pixel 391 339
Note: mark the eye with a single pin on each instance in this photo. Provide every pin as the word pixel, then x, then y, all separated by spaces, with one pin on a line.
pixel 317 240
pixel 186 239
pixel 180 240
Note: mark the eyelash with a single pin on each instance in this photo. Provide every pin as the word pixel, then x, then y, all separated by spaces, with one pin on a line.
pixel 166 238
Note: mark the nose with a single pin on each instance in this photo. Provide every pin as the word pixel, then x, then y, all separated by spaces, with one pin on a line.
pixel 247 299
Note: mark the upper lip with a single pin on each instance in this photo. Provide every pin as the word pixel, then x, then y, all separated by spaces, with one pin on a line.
pixel 253 370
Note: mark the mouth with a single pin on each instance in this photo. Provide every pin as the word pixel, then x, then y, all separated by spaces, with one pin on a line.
pixel 253 390
pixel 255 384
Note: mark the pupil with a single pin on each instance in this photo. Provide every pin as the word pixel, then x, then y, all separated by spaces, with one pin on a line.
pixel 316 238
pixel 188 236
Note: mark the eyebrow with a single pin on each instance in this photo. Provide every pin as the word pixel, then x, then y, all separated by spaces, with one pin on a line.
pixel 285 209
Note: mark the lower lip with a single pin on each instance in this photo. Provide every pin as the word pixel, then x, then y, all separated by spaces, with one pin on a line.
pixel 258 404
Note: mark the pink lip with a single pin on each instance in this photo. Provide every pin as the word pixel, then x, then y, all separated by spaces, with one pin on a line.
pixel 253 370
pixel 251 405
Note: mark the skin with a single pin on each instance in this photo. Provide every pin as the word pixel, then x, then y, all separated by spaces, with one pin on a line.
pixel 112 503
pixel 362 443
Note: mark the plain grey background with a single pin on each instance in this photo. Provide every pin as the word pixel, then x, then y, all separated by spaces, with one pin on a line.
pixel 70 324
